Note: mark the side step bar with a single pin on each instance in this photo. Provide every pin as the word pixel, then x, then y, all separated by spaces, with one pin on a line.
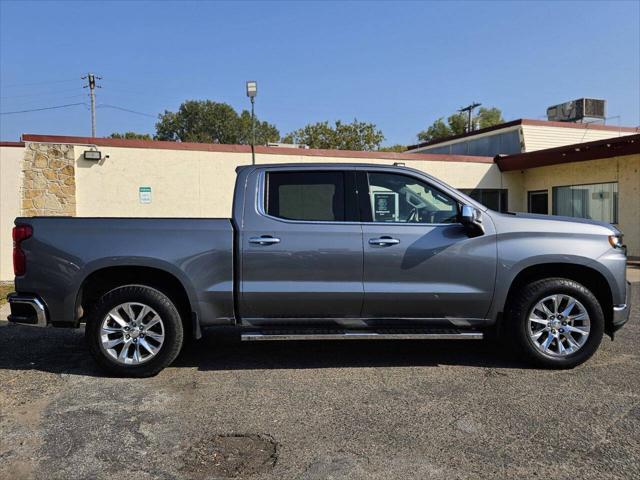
pixel 260 336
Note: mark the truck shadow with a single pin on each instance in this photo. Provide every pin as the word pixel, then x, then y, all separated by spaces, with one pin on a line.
pixel 63 351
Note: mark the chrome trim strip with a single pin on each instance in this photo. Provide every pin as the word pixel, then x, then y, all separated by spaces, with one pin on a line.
pixel 33 302
pixel 256 336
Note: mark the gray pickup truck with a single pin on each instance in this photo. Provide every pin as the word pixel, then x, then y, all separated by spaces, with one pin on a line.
pixel 324 251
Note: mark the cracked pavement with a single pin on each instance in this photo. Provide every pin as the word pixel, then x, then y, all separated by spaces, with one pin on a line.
pixel 318 410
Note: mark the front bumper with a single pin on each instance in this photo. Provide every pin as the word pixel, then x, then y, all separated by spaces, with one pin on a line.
pixel 621 312
pixel 27 310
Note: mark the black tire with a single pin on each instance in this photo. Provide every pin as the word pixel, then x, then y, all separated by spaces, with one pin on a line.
pixel 518 321
pixel 158 301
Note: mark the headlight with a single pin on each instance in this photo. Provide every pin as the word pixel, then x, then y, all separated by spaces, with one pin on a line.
pixel 616 241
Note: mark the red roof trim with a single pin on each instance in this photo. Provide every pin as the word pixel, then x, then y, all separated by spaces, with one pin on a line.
pixel 579 152
pixel 213 147
pixel 11 144
pixel 526 121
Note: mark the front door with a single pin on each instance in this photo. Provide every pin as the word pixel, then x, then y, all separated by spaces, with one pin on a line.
pixel 301 248
pixel 538 202
pixel 419 262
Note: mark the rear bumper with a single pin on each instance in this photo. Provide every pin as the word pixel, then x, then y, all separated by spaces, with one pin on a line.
pixel 621 312
pixel 27 310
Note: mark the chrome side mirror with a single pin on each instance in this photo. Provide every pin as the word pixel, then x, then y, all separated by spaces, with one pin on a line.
pixel 471 218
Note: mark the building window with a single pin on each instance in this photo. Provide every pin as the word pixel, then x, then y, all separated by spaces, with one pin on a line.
pixel 597 201
pixel 493 198
pixel 538 201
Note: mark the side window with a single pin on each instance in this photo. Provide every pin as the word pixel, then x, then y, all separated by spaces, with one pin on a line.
pixel 310 196
pixel 404 199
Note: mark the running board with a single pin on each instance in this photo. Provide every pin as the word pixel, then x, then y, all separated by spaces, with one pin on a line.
pixel 386 334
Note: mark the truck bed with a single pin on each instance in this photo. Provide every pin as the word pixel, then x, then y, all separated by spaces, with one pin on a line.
pixel 64 251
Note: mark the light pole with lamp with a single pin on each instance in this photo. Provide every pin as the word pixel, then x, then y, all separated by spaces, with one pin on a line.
pixel 252 91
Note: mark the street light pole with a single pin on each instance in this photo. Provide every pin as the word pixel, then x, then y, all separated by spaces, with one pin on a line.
pixel 252 91
pixel 253 133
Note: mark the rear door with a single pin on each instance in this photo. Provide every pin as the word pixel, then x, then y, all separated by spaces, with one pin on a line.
pixel 301 247
pixel 419 262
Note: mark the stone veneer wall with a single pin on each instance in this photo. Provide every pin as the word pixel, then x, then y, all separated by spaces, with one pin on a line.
pixel 48 180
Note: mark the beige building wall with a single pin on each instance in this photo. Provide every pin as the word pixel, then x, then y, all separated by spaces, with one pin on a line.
pixel 624 170
pixel 200 183
pixel 537 137
pixel 10 181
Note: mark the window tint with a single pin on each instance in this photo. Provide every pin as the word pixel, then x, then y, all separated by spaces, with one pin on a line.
pixel 400 198
pixel 311 196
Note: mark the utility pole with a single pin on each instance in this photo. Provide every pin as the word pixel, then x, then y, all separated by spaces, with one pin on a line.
pixel 91 79
pixel 469 109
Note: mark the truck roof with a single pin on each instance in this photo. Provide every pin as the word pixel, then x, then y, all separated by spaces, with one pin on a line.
pixel 331 165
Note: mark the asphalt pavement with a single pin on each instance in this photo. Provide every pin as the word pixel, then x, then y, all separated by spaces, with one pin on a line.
pixel 319 410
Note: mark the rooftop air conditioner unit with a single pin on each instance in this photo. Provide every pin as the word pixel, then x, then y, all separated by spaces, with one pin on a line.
pixel 577 110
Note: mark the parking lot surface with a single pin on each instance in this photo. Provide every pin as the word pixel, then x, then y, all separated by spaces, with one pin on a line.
pixel 356 410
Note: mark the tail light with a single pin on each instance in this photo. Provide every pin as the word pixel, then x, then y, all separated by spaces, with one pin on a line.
pixel 20 233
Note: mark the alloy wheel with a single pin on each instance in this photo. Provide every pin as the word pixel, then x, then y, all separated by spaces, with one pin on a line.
pixel 559 325
pixel 132 333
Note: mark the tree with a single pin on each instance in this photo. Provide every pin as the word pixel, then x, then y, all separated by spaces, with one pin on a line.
pixel 397 148
pixel 437 130
pixel 205 121
pixel 488 117
pixel 131 136
pixel 265 132
pixel 342 136
pixel 457 124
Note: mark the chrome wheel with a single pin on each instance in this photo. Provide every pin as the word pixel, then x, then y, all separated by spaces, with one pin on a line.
pixel 131 333
pixel 559 325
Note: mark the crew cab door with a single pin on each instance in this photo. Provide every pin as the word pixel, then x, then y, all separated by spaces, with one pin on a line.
pixel 301 246
pixel 419 262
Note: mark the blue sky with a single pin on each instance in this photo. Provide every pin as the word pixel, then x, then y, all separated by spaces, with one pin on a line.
pixel 399 65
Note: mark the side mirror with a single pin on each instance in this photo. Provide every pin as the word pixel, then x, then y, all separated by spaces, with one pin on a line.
pixel 471 218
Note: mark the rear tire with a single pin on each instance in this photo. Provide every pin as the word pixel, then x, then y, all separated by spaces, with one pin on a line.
pixel 134 331
pixel 548 321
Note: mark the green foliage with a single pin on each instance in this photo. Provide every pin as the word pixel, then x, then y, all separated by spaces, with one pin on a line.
pixel 131 136
pixel 438 129
pixel 488 117
pixel 205 121
pixel 265 132
pixel 397 148
pixel 342 136
pixel 457 124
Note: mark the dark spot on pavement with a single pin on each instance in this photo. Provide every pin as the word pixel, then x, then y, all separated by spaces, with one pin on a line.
pixel 231 456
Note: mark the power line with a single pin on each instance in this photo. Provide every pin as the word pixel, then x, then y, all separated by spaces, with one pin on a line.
pixel 44 108
pixel 105 105
pixel 38 83
pixel 40 94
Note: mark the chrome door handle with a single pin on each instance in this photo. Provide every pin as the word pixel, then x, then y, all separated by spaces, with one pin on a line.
pixel 264 240
pixel 383 241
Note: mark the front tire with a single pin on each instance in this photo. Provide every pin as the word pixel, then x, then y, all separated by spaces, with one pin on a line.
pixel 134 331
pixel 556 322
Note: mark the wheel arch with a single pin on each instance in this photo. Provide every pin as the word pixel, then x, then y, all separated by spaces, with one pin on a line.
pixel 104 279
pixel 591 278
